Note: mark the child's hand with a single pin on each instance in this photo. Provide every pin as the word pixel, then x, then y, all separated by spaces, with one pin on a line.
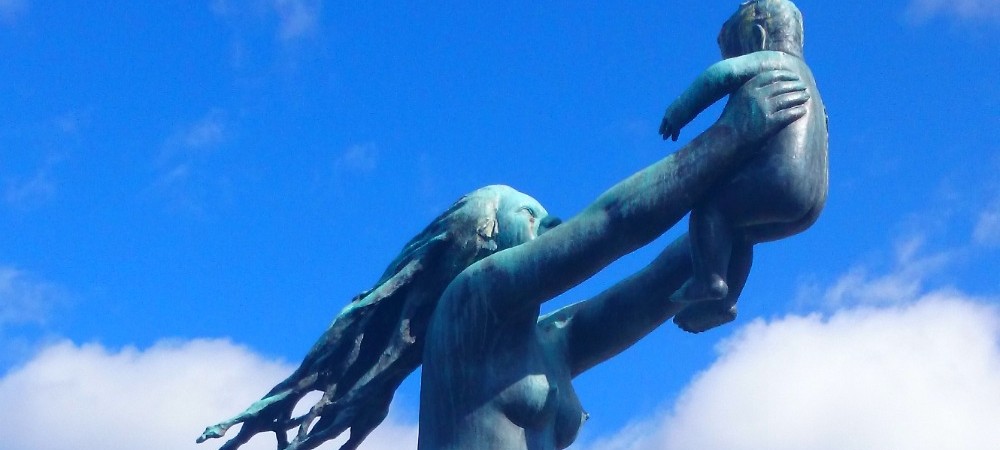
pixel 673 121
pixel 669 128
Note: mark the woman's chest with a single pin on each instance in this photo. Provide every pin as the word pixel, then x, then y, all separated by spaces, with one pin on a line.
pixel 538 395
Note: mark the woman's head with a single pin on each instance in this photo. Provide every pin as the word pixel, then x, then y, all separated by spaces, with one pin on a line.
pixel 519 217
pixel 480 223
pixel 377 340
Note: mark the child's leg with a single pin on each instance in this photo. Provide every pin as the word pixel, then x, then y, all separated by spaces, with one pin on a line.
pixel 739 271
pixel 711 245
pixel 706 315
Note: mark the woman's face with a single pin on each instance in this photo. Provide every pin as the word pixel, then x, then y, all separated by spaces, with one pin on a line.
pixel 519 219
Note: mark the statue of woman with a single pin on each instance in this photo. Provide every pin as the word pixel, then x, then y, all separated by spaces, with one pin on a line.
pixel 463 299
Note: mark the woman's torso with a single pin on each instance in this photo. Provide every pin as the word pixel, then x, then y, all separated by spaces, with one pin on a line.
pixel 495 381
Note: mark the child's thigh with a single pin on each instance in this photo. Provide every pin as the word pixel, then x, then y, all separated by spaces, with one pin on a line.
pixel 767 192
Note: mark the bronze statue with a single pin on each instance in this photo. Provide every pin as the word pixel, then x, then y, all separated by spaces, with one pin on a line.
pixel 775 195
pixel 463 298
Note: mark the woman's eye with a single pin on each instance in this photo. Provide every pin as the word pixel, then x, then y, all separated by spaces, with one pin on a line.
pixel 529 211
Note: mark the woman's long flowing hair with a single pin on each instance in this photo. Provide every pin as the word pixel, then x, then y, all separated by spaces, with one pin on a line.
pixel 376 340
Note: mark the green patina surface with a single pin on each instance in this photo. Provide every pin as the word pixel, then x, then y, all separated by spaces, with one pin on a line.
pixel 463 296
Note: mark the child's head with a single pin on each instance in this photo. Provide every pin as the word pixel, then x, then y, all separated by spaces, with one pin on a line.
pixel 762 25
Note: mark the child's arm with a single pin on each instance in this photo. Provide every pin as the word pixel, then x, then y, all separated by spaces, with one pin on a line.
pixel 718 81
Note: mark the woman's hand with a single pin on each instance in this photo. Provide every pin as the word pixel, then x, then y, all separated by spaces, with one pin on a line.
pixel 766 104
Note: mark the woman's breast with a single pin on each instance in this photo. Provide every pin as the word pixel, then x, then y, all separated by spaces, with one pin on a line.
pixel 530 402
pixel 543 404
pixel 570 416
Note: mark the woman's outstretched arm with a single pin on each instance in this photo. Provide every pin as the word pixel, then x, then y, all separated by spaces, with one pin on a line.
pixel 640 208
pixel 597 329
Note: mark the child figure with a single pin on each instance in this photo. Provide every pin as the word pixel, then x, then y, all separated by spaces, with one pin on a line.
pixel 779 193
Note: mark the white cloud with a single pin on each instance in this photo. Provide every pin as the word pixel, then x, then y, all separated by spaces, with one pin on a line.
pixel 31 189
pixel 27 304
pixel 295 18
pixel 11 10
pixel 207 132
pixel 987 230
pixel 959 9
pixel 25 192
pixel 892 364
pixel 358 159
pixel 921 376
pixel 84 397
pixel 183 162
pixel 24 298
pixel 197 137
pixel 903 283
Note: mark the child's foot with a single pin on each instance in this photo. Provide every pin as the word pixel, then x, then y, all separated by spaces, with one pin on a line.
pixel 704 316
pixel 695 290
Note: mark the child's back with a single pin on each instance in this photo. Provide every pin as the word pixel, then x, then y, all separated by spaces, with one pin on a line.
pixel 780 192
pixel 790 172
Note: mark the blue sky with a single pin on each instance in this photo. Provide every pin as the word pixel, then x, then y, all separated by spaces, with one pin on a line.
pixel 190 191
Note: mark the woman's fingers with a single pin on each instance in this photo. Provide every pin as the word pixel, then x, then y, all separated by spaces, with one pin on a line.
pixel 766 104
pixel 782 89
pixel 773 76
pixel 784 117
pixel 778 88
pixel 782 101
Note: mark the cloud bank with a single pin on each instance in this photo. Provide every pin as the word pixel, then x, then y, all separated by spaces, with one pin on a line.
pixel 925 375
pixel 889 364
pixel 85 397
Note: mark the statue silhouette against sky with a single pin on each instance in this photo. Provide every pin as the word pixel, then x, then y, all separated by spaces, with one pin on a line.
pixel 463 299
